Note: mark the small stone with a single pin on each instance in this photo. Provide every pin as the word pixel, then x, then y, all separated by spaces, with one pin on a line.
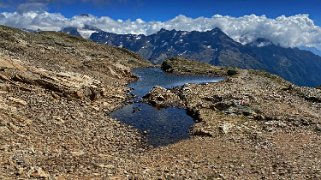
pixel 13 127
pixel 5 87
pixel 305 122
pixel 276 123
pixel 106 104
pixel 318 127
pixel 3 92
pixel 221 106
pixel 226 127
pixel 79 94
pixel 116 177
pixel 23 121
pixel 54 95
pixel 282 124
pixel 107 166
pixel 58 120
pixel 4 147
pixel 18 101
pixel 96 108
pixel 3 77
pixel 247 111
pixel 78 153
pixel 202 132
pixel 119 96
pixel 20 170
pixel 39 173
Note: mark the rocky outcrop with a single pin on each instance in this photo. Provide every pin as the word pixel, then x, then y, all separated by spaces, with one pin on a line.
pixel 247 94
pixel 257 97
pixel 161 97
pixel 309 94
pixel 257 112
pixel 180 65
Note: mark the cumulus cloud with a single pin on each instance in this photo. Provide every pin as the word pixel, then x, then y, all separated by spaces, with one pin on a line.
pixel 291 31
pixel 34 20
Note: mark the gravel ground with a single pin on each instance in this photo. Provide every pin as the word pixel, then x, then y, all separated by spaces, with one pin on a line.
pixel 55 91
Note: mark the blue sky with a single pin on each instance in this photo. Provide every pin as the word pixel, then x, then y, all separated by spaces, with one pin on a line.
pixel 166 9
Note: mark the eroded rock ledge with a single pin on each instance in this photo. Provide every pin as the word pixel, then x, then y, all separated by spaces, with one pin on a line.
pixel 248 97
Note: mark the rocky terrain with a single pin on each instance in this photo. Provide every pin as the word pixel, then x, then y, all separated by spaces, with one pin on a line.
pixel 55 92
pixel 253 125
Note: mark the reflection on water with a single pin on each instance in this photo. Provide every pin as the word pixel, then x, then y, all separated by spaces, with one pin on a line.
pixel 150 77
pixel 160 126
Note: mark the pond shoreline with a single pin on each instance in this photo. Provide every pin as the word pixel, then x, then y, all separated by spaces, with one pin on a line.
pixel 171 122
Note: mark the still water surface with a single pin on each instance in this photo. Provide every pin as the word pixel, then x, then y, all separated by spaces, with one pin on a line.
pixel 160 126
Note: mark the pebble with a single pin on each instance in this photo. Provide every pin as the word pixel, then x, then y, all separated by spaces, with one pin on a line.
pixel 226 127
pixel 18 101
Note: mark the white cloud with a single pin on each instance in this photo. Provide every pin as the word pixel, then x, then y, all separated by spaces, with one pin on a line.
pixel 34 20
pixel 291 31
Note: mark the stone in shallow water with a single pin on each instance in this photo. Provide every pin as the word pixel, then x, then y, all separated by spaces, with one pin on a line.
pixel 163 125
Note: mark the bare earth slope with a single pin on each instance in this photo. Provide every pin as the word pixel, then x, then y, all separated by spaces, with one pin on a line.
pixel 55 91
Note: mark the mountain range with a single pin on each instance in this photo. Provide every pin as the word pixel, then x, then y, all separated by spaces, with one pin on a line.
pixel 214 47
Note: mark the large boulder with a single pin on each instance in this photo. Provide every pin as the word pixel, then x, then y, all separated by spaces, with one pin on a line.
pixel 162 97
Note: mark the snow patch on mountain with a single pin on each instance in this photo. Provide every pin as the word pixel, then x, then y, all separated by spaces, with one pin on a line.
pixel 86 33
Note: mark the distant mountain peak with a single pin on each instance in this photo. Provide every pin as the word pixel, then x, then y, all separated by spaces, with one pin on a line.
pixel 216 29
pixel 163 30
